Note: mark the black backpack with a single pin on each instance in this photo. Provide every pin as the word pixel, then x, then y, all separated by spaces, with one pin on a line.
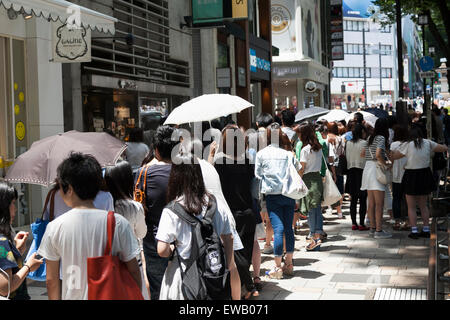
pixel 206 276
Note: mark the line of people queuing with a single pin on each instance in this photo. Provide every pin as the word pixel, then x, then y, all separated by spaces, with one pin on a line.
pixel 243 176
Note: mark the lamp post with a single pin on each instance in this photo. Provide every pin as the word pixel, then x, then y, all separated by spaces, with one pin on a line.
pixel 364 63
pixel 423 21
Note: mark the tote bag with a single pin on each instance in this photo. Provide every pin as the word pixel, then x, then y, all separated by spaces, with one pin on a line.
pixel 384 174
pixel 37 230
pixel 293 185
pixel 108 276
pixel 331 193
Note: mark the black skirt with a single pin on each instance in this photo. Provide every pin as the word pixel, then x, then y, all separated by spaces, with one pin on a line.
pixel 418 182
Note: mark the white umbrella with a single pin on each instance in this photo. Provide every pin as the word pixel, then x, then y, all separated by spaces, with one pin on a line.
pixel 368 117
pixel 334 115
pixel 310 113
pixel 206 108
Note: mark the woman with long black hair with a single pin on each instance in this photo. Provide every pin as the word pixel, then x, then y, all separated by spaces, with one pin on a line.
pixel 186 187
pixel 120 183
pixel 376 151
pixel 13 270
pixel 418 182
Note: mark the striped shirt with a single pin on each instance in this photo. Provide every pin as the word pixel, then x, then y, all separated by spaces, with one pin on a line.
pixel 371 150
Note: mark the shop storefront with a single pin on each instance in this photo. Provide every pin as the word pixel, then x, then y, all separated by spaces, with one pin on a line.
pixel 118 105
pixel 260 74
pixel 31 102
pixel 300 84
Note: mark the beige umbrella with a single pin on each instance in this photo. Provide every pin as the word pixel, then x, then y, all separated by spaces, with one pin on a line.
pixel 38 165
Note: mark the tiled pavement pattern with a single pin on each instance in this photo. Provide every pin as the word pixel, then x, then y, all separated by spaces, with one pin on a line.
pixel 350 266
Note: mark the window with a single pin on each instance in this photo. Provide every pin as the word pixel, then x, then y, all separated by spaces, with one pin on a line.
pixel 385 29
pixel 386 50
pixel 355 25
pixel 352 72
pixel 386 72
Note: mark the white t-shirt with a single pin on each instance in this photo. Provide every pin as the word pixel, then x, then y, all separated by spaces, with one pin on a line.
pixel 418 158
pixel 398 167
pixel 172 228
pixel 135 215
pixel 103 201
pixel 312 158
pixel 80 234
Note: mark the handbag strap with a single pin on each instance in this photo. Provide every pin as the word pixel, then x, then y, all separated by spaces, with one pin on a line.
pixel 50 198
pixel 111 225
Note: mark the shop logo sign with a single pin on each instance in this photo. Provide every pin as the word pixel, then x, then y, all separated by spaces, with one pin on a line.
pixel 281 18
pixel 258 63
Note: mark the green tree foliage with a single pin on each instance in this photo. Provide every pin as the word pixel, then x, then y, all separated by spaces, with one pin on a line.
pixel 438 12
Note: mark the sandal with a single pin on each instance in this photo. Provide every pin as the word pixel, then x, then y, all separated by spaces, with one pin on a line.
pixel 258 284
pixel 314 245
pixel 275 273
pixel 288 269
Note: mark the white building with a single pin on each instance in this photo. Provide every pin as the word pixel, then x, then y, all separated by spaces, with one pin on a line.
pixel 31 90
pixel 381 63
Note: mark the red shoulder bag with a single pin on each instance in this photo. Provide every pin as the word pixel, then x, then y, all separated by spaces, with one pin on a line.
pixel 108 276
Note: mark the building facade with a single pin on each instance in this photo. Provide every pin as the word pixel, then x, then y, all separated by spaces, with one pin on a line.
pixel 412 55
pixel 300 30
pixel 369 52
pixel 31 90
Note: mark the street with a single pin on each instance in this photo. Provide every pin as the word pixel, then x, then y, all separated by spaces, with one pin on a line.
pixel 350 266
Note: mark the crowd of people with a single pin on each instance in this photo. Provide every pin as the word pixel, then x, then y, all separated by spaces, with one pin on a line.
pixel 240 182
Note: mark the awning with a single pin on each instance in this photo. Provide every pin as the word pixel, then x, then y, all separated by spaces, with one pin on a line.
pixel 61 10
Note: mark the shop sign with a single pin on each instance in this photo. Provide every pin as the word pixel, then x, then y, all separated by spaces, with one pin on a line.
pixel 283 26
pixel 71 44
pixel 223 77
pixel 207 11
pixel 337 30
pixel 240 9
pixel 258 63
pixel 242 81
pixel 310 86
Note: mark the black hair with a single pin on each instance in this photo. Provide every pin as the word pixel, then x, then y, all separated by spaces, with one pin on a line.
pixel 287 118
pixel 83 173
pixel 162 141
pixel 119 180
pixel 436 111
pixel 416 135
pixel 216 124
pixel 343 122
pixel 358 131
pixel 264 119
pixel 7 194
pixel 392 121
pixel 186 180
pixel 381 129
pixel 400 133
pixel 136 135
pixel 358 117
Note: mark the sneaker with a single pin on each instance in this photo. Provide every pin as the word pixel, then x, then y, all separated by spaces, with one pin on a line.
pixel 424 234
pixel 275 273
pixel 302 217
pixel 267 249
pixel 414 235
pixel 382 235
pixel 372 232
pixel 367 222
pixel 355 227
pixel 341 216
pixel 363 228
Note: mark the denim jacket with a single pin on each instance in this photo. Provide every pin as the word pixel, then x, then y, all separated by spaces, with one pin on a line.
pixel 271 166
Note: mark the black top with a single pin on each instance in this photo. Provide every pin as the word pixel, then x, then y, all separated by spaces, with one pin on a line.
pixel 235 180
pixel 156 200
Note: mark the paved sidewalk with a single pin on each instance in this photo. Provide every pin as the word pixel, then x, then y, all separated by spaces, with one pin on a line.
pixel 350 266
